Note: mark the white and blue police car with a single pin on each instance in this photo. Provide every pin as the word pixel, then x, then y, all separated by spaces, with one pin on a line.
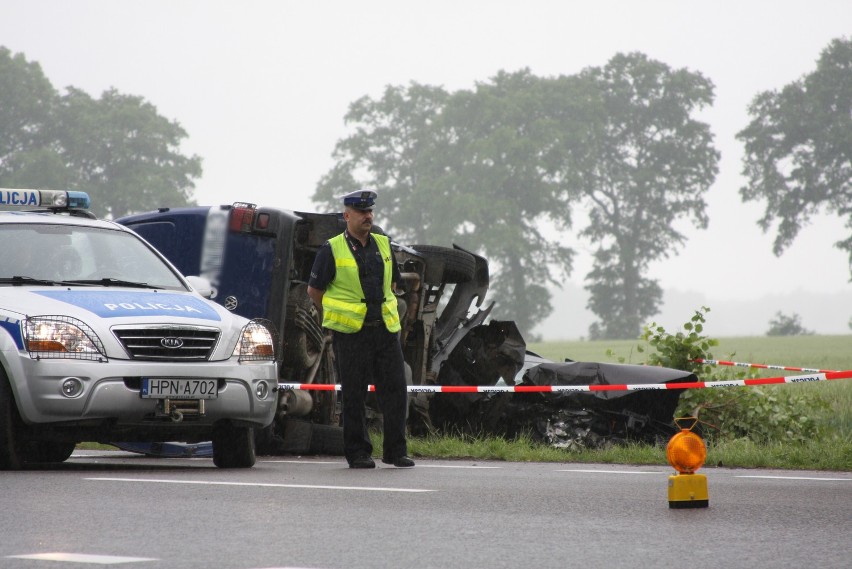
pixel 102 339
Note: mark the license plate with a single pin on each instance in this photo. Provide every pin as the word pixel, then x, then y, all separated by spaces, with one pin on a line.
pixel 171 388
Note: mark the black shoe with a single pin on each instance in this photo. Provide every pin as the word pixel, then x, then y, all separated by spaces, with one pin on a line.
pixel 400 461
pixel 362 462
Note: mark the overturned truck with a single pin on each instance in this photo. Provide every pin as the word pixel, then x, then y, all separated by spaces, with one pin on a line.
pixel 258 263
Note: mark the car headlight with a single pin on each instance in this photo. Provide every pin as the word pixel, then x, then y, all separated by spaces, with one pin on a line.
pixel 256 342
pixel 61 337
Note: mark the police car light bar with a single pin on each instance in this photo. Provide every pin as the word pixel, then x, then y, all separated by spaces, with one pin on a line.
pixel 54 199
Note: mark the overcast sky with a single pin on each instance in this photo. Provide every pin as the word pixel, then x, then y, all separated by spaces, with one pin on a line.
pixel 261 87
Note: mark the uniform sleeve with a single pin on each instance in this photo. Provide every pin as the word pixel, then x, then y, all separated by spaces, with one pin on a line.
pixel 323 271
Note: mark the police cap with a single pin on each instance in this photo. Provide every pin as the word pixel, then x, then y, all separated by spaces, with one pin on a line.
pixel 360 199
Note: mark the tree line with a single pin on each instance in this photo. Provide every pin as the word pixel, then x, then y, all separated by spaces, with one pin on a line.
pixel 494 167
pixel 503 169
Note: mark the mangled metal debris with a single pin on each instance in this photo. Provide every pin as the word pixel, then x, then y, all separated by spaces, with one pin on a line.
pixel 566 419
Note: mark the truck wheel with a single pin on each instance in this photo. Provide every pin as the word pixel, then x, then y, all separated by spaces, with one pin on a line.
pixel 327 439
pixel 233 446
pixel 446 265
pixel 303 332
pixel 11 457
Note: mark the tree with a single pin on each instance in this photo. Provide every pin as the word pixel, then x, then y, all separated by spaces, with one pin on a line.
pixel 124 153
pixel 391 152
pixel 461 168
pixel 784 325
pixel 27 100
pixel 490 168
pixel 116 148
pixel 645 164
pixel 798 148
pixel 499 176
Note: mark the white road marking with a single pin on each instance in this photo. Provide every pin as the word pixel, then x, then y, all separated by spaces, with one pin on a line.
pixel 306 461
pixel 472 466
pixel 613 471
pixel 419 465
pixel 262 485
pixel 796 478
pixel 82 558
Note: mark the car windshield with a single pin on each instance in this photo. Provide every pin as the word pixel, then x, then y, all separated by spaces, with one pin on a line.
pixel 53 253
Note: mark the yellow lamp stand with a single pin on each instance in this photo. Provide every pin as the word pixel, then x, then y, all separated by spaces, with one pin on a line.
pixel 688 491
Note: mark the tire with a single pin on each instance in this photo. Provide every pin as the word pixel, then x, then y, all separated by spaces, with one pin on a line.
pixel 327 440
pixel 446 265
pixel 303 332
pixel 48 451
pixel 16 453
pixel 11 455
pixel 233 446
pixel 297 436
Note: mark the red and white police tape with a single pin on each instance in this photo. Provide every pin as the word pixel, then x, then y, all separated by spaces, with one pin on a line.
pixel 616 387
pixel 760 366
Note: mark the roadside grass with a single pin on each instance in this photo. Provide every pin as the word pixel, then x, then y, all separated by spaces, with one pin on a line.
pixel 833 455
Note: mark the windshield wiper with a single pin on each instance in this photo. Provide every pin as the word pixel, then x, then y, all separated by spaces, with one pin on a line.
pixel 19 280
pixel 109 281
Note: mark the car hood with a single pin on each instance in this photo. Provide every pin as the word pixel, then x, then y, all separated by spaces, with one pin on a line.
pixel 114 304
pixel 104 308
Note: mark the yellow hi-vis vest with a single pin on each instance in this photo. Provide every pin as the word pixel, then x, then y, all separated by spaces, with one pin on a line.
pixel 343 305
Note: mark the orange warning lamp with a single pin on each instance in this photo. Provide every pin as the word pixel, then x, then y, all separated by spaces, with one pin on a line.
pixel 686 453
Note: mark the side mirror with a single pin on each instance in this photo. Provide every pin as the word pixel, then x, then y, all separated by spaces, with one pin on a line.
pixel 201 285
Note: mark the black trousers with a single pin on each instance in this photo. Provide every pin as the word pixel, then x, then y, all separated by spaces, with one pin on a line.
pixel 371 355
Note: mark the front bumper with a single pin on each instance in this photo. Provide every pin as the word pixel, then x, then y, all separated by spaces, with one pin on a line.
pixel 110 391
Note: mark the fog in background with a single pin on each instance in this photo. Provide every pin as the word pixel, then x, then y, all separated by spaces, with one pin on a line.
pixel 261 87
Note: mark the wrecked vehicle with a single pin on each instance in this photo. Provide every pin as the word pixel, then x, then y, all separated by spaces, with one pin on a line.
pixel 565 419
pixel 258 260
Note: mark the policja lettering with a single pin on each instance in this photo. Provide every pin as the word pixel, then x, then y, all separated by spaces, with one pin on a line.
pixel 150 306
pixel 8 197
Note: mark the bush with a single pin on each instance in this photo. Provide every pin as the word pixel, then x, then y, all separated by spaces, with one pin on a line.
pixel 784 325
pixel 761 414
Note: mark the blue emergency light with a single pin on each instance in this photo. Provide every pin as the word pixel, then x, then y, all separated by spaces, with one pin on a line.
pixel 79 200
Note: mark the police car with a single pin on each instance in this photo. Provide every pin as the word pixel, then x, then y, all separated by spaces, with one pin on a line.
pixel 102 339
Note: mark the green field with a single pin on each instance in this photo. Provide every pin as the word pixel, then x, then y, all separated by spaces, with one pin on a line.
pixel 822 352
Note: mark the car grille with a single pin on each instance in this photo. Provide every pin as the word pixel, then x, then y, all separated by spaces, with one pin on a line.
pixel 195 343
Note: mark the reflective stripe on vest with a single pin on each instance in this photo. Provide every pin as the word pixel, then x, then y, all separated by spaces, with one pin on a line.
pixel 342 304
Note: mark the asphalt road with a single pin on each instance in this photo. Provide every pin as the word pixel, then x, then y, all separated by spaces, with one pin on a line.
pixel 103 509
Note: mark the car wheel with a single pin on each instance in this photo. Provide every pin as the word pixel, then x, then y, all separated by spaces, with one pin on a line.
pixel 48 451
pixel 446 265
pixel 11 457
pixel 233 446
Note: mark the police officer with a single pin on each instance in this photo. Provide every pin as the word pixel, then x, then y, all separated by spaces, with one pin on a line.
pixel 352 283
